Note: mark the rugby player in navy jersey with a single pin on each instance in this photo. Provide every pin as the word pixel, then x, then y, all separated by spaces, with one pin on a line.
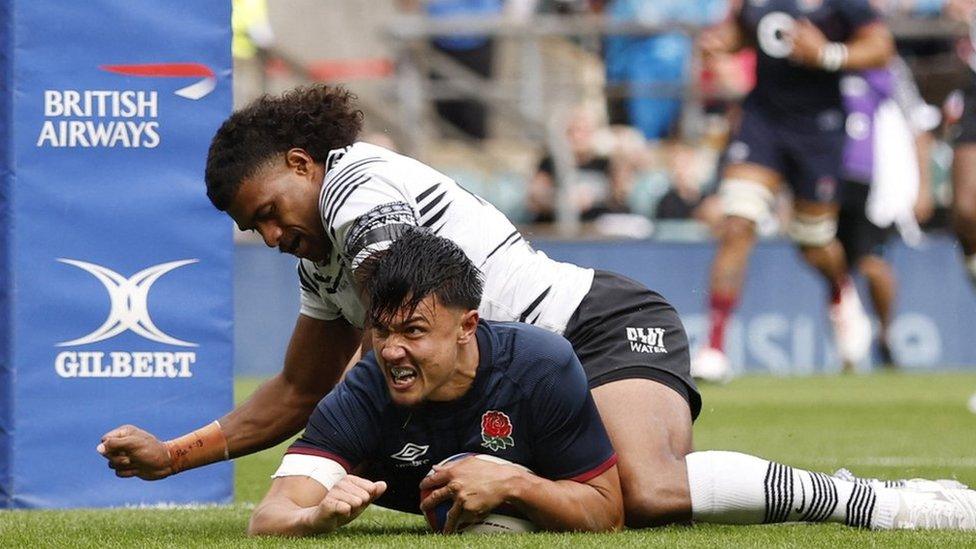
pixel 792 131
pixel 439 382
pixel 290 168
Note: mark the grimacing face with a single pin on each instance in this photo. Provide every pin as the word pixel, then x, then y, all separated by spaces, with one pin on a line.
pixel 425 356
pixel 280 202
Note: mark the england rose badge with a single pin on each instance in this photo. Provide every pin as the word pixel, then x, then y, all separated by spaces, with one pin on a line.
pixel 496 431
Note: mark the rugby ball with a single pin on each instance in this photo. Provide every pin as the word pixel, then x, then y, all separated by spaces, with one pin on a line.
pixel 502 520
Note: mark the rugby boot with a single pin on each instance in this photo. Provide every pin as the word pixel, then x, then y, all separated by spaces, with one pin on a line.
pixel 910 484
pixel 852 327
pixel 932 510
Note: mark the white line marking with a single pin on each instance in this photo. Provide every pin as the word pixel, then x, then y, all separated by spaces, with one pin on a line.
pixel 900 461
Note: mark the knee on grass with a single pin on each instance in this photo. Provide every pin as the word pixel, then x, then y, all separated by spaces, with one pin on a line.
pixel 657 502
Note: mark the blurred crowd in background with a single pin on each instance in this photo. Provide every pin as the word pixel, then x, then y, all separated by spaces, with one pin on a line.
pixel 587 118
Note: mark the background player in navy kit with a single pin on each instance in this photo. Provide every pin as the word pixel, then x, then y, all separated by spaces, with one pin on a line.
pixel 437 373
pixel 792 129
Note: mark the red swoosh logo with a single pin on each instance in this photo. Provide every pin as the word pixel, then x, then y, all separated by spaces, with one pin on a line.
pixel 194 91
pixel 171 70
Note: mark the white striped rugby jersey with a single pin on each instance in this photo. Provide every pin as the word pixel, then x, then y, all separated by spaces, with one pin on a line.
pixel 370 194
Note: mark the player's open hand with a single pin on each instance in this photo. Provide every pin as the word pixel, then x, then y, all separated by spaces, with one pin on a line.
pixel 808 41
pixel 133 452
pixel 476 486
pixel 344 502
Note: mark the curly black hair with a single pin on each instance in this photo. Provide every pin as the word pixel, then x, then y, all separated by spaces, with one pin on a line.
pixel 418 264
pixel 317 118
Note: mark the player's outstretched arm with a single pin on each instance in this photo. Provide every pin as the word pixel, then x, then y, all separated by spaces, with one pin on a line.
pixel 317 355
pixel 478 486
pixel 871 47
pixel 300 506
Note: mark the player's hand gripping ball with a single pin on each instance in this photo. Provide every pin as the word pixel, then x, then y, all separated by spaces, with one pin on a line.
pixel 502 520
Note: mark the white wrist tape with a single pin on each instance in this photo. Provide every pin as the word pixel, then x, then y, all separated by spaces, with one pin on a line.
pixel 833 56
pixel 320 469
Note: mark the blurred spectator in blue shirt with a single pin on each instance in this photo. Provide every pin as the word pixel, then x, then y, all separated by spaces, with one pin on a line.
pixel 642 64
pixel 437 9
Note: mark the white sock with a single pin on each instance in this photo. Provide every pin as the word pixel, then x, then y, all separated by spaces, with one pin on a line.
pixel 971 268
pixel 734 488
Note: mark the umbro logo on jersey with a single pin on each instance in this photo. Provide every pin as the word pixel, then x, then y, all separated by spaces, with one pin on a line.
pixel 410 453
pixel 646 340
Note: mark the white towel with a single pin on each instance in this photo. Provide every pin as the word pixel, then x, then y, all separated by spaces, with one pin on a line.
pixel 894 188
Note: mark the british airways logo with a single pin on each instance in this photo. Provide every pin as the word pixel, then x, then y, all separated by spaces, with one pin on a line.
pixel 118 118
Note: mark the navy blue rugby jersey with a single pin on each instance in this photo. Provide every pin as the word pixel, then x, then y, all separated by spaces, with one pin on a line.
pixel 790 89
pixel 529 404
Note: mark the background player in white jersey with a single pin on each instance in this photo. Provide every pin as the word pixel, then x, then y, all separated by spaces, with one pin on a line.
pixel 290 168
pixel 792 131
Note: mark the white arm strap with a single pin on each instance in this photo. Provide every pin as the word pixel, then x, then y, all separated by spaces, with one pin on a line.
pixel 320 469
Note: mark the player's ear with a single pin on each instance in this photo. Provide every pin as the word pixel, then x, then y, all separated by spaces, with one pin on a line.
pixel 469 325
pixel 299 160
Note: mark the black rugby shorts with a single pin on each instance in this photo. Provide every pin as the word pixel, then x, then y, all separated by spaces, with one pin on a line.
pixel 622 330
pixel 856 233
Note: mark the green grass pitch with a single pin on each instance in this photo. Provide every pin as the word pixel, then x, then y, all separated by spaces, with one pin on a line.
pixel 892 425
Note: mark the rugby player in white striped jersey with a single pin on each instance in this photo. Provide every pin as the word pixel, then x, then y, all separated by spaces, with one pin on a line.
pixel 291 169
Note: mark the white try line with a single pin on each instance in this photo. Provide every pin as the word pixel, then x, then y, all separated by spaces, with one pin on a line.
pixel 900 461
pixel 190 506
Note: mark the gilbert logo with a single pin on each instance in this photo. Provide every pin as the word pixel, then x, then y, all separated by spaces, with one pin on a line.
pixel 646 340
pixel 129 303
pixel 197 90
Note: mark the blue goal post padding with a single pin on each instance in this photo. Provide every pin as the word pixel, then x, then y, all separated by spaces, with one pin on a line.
pixel 115 271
